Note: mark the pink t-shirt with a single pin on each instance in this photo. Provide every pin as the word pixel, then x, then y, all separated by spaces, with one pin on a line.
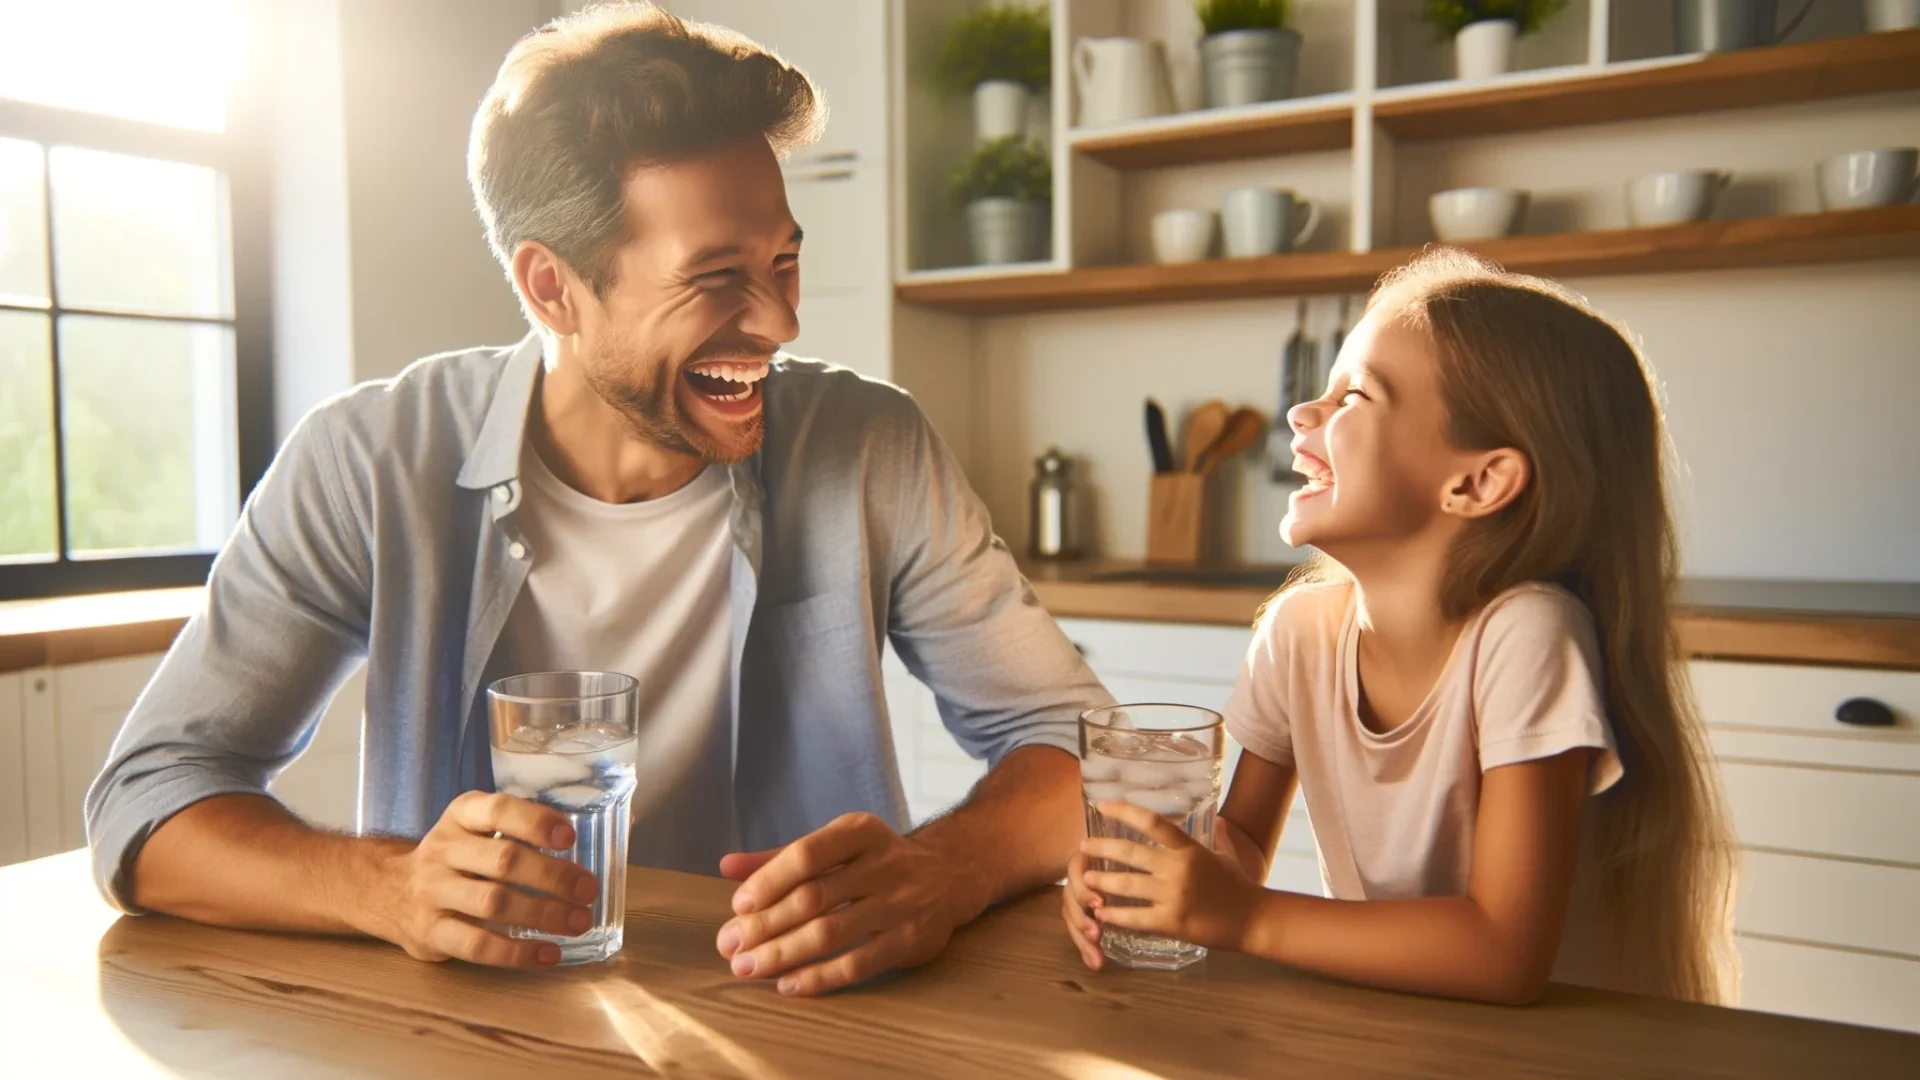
pixel 1394 813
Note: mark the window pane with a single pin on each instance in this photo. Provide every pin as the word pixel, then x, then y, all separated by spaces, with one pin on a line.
pixel 134 234
pixel 147 422
pixel 27 510
pixel 23 223
pixel 165 63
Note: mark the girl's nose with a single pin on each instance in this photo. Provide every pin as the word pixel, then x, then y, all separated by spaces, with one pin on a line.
pixel 1304 417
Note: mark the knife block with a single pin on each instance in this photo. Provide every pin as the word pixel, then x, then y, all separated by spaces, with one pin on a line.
pixel 1176 518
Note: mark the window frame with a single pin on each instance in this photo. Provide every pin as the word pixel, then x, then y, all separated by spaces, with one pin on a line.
pixel 240 154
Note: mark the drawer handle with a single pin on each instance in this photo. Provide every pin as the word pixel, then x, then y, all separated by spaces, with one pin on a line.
pixel 1864 712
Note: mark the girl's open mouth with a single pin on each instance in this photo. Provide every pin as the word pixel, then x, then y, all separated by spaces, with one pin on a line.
pixel 1318 473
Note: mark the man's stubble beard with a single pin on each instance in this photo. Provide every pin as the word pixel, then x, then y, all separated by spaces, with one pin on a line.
pixel 652 414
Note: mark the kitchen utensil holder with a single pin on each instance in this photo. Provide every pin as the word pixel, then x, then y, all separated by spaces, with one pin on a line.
pixel 1176 518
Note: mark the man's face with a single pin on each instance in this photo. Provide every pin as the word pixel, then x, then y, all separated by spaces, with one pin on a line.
pixel 704 292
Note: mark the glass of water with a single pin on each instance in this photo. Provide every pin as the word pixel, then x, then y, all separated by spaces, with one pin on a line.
pixel 1163 758
pixel 565 739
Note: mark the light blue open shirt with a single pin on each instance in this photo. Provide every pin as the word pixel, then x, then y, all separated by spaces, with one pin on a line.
pixel 386 530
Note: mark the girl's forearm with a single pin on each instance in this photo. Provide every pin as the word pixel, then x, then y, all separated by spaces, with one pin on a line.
pixel 1447 946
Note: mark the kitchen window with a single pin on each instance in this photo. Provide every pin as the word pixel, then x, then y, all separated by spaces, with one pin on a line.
pixel 135 397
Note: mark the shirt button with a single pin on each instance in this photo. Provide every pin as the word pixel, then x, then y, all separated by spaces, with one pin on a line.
pixel 503 493
pixel 517 549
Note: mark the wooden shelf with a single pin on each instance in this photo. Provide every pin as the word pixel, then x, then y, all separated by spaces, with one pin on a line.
pixel 1841 236
pixel 1863 64
pixel 1288 127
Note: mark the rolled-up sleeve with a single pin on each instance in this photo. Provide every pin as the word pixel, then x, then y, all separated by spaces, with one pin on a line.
pixel 965 621
pixel 241 691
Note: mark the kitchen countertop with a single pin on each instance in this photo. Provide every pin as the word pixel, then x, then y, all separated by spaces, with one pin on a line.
pixel 1864 624
pixel 85 994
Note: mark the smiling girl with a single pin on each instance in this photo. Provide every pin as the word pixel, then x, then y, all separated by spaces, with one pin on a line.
pixel 1475 682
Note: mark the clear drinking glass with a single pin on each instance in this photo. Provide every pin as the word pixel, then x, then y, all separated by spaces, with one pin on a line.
pixel 1163 758
pixel 565 739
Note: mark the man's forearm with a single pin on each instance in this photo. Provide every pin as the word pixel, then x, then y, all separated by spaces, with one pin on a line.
pixel 1017 830
pixel 244 861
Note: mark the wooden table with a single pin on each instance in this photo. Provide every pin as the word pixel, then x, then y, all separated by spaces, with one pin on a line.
pixel 85 995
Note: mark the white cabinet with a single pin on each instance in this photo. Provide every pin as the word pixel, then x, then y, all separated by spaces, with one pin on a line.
pixel 57 726
pixel 1828 922
pixel 13 769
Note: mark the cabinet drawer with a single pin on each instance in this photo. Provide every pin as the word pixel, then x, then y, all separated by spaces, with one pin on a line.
pixel 1165 650
pixel 1799 699
pixel 1862 815
pixel 1830 902
pixel 1829 984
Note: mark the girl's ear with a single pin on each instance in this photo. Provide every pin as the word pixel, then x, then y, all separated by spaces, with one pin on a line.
pixel 1496 478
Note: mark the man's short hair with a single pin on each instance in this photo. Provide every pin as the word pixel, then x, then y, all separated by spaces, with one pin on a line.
pixel 579 103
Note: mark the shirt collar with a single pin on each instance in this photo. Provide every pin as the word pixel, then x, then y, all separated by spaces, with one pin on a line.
pixel 495 457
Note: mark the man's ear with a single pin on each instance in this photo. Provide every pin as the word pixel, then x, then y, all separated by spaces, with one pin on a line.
pixel 551 291
pixel 1494 480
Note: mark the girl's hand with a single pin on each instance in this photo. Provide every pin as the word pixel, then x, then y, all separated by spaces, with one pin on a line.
pixel 1076 900
pixel 1192 894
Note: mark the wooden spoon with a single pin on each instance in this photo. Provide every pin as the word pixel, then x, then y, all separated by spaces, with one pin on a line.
pixel 1242 433
pixel 1203 430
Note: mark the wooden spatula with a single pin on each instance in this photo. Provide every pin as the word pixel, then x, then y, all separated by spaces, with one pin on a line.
pixel 1241 435
pixel 1204 428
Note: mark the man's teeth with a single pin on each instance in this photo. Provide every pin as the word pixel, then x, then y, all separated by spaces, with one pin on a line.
pixel 745 374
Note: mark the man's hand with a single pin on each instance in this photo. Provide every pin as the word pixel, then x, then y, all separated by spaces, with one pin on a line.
pixel 1191 894
pixel 842 904
pixel 476 866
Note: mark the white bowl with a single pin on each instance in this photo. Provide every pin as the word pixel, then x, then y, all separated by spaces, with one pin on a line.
pixel 1182 236
pixel 1867 178
pixel 1674 198
pixel 1476 213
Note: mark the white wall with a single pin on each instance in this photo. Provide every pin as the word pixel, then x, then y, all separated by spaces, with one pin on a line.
pixel 423 279
pixel 1791 397
pixel 1791 391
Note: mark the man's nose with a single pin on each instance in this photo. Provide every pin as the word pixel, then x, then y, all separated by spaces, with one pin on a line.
pixel 770 313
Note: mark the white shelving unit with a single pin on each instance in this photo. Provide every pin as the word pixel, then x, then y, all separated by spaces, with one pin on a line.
pixel 1359 59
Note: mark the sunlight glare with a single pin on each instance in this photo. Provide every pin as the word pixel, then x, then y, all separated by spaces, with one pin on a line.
pixel 160 61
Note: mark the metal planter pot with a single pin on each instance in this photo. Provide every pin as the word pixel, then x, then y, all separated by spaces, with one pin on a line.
pixel 1243 67
pixel 1007 230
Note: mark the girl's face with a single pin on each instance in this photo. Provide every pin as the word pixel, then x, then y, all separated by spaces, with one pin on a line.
pixel 1373 447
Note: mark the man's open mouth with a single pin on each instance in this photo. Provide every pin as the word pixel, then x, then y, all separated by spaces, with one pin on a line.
pixel 727 380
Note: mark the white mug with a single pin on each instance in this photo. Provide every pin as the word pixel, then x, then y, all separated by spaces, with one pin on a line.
pixel 1265 221
pixel 1120 79
pixel 1866 178
pixel 1182 236
pixel 1672 198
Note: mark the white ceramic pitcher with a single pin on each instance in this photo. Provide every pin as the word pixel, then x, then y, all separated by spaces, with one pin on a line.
pixel 1120 79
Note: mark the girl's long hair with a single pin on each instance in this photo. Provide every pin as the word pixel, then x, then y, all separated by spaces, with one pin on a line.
pixel 1527 364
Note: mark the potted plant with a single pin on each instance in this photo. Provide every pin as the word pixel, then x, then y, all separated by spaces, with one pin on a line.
pixel 1005 188
pixel 999 54
pixel 1483 30
pixel 1247 54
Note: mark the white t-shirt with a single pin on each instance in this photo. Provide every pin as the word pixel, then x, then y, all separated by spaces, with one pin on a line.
pixel 1393 813
pixel 642 588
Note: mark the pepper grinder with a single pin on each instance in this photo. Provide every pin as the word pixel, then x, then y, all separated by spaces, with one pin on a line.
pixel 1053 519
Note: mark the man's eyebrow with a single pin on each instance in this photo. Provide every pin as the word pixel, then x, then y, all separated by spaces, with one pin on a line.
pixel 734 251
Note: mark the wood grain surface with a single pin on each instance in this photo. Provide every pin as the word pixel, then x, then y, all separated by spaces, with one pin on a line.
pixel 1796 239
pixel 85 995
